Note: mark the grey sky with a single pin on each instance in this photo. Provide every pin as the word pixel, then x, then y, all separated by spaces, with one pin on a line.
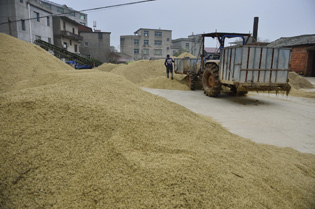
pixel 277 18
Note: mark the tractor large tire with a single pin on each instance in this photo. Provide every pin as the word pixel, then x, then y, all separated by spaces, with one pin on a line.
pixel 191 80
pixel 210 80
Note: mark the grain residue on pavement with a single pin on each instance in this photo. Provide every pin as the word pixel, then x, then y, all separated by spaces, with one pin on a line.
pixel 94 139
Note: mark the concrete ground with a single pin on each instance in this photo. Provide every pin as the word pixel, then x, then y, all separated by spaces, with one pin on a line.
pixel 264 118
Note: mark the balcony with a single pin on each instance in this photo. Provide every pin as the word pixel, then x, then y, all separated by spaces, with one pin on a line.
pixel 70 35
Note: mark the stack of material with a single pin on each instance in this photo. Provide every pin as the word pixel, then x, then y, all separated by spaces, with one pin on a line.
pixel 300 85
pixel 93 139
pixel 147 73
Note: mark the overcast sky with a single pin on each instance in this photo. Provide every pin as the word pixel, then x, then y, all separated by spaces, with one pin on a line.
pixel 277 18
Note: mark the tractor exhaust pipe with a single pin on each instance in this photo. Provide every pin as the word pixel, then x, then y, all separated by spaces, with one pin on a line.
pixel 255 29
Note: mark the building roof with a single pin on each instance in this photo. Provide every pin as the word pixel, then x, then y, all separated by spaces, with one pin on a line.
pixel 294 41
pixel 68 20
pixel 151 29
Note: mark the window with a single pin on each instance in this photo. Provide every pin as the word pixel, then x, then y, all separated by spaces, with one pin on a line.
pixel 70 42
pixel 122 40
pixel 86 44
pixel 64 25
pixel 158 33
pixel 136 41
pixel 38 37
pixel 157 51
pixel 65 45
pixel 145 51
pixel 46 4
pixel 146 33
pixel 157 43
pixel 167 48
pixel 82 16
pixel 48 21
pixel 23 24
pixel 168 39
pixel 72 14
pixel 60 10
pixel 136 51
pixel 75 48
pixel 36 16
pixel 21 1
pixel 100 35
pixel 49 40
pixel 187 46
pixel 146 42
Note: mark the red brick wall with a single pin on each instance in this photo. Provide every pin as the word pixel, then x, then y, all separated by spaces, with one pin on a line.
pixel 299 59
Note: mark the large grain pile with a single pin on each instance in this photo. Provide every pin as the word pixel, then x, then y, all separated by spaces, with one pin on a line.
pixel 299 84
pixel 147 73
pixel 96 140
pixel 186 54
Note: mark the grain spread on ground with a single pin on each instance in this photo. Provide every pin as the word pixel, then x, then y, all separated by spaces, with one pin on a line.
pixel 93 139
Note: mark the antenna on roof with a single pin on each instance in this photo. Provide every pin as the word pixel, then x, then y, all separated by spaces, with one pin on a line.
pixel 94 25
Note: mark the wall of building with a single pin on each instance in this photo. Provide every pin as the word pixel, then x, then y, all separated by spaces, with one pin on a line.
pixel 192 44
pixel 63 9
pixel 299 57
pixel 147 44
pixel 66 34
pixel 127 45
pixel 96 45
pixel 43 28
pixel 25 29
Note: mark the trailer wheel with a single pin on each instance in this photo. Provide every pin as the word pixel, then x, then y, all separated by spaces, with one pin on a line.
pixel 210 80
pixel 191 80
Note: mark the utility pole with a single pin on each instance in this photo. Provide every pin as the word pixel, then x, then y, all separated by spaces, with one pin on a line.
pixel 10 30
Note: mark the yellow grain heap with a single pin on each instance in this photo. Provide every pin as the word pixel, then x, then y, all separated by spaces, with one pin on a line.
pixel 147 73
pixel 93 139
pixel 186 54
pixel 298 85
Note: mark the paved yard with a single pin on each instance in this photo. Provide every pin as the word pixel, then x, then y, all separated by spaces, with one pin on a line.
pixel 264 118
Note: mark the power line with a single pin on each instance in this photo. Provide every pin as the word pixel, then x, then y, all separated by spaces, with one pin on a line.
pixel 85 10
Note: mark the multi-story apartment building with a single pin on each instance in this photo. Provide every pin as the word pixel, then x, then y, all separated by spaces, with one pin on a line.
pixel 147 44
pixel 29 20
pixel 192 44
pixel 65 10
pixel 26 20
pixel 66 33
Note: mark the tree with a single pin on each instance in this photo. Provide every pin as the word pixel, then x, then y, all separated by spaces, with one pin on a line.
pixel 113 49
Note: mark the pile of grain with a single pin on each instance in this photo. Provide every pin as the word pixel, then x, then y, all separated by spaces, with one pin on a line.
pixel 108 67
pixel 161 82
pixel 147 73
pixel 186 54
pixel 97 140
pixel 21 67
pixel 299 84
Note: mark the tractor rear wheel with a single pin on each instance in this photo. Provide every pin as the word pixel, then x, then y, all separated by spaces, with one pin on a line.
pixel 210 80
pixel 191 80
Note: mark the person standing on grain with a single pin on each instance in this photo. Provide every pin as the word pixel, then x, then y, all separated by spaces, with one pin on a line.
pixel 169 66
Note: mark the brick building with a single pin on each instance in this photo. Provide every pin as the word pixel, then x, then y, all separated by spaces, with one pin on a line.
pixel 302 52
